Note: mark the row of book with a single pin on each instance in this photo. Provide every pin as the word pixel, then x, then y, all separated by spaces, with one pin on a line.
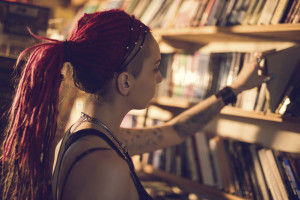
pixel 239 168
pixel 199 75
pixel 195 13
pixel 196 76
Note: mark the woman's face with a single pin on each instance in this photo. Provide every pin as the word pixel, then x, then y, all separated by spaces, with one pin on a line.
pixel 145 83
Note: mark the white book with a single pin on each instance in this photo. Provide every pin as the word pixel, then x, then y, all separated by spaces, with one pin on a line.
pixel 216 164
pixel 279 11
pixel 259 173
pixel 276 174
pixel 271 182
pixel 151 11
pixel 204 159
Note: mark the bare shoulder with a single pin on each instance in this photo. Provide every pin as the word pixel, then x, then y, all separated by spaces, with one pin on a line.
pixel 98 175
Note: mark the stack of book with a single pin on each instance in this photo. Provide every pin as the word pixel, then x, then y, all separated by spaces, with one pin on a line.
pixel 195 13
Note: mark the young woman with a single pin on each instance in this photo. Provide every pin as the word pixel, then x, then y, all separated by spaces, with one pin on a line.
pixel 115 60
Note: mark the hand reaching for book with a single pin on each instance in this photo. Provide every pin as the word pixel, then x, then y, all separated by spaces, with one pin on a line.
pixel 252 74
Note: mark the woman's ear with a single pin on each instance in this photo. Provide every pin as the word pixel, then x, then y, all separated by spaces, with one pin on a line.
pixel 125 82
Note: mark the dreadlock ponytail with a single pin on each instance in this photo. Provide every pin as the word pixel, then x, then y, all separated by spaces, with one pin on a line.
pixel 32 122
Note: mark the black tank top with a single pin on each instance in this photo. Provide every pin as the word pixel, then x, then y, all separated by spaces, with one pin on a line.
pixel 68 140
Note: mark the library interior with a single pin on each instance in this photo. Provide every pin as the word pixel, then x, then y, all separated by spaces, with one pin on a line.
pixel 249 150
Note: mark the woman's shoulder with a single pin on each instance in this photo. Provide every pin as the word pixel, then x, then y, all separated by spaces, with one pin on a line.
pixel 96 173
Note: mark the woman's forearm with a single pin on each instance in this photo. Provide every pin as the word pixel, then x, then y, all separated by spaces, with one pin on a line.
pixel 194 119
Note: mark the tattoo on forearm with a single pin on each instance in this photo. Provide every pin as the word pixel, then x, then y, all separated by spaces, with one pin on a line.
pixel 189 124
pixel 141 141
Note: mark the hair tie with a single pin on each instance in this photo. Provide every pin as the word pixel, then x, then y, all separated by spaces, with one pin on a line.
pixel 67 49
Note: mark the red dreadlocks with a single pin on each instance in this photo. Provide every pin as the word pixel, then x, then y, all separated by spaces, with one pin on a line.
pixel 101 44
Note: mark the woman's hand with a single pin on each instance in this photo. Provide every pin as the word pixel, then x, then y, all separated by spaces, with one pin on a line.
pixel 252 74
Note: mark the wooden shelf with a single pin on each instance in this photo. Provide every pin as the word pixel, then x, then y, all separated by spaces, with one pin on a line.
pixel 267 129
pixel 201 190
pixel 240 33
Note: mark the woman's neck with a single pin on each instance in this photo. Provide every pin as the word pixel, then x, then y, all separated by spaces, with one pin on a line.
pixel 111 114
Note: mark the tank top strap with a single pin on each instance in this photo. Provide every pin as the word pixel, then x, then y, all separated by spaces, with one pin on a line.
pixel 70 139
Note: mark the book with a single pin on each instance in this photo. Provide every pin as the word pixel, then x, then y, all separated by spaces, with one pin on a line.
pixel 201 8
pixel 170 15
pixel 223 19
pixel 159 16
pixel 279 11
pixel 220 8
pixel 249 12
pixel 212 143
pixel 290 11
pixel 277 64
pixel 271 182
pixel 226 172
pixel 207 12
pixel 191 160
pixel 213 13
pixel 204 158
pixel 267 12
pixel 151 11
pixel 293 12
pixel 291 175
pixel 264 192
pixel 292 194
pixel 186 13
pixel 286 12
pixel 257 12
pixel 276 173
pixel 140 8
pixel 234 14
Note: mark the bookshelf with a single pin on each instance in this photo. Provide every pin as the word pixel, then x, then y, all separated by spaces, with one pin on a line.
pixel 238 33
pixel 267 129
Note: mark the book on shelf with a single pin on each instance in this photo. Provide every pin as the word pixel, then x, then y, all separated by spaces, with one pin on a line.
pixel 186 13
pixel 267 12
pixel 279 11
pixel 283 64
pixel 291 174
pixel 151 11
pixel 158 18
pixel 292 11
pixel 224 16
pixel 219 9
pixel 204 159
pixel 140 8
pixel 195 13
pixel 271 172
pixel 207 12
pixel 199 13
pixel 213 12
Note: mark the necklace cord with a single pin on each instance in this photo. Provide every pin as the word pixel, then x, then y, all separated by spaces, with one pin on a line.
pixel 85 117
